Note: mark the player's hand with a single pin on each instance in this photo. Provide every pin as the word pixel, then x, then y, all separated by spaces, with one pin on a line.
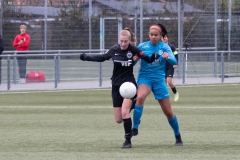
pixel 154 56
pixel 135 57
pixel 174 66
pixel 83 57
pixel 165 55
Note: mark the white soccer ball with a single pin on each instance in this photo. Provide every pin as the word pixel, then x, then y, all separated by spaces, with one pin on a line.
pixel 127 90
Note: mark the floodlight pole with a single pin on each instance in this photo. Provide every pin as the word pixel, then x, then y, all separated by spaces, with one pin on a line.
pixel 45 25
pixel 180 32
pixel 1 17
pixel 90 24
pixel 229 26
pixel 141 21
pixel 135 19
pixel 215 37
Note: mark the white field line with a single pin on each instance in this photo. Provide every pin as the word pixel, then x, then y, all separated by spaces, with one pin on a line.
pixel 45 91
pixel 103 107
pixel 106 88
pixel 210 85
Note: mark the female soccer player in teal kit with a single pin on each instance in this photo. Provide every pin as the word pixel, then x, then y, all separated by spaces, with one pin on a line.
pixel 151 77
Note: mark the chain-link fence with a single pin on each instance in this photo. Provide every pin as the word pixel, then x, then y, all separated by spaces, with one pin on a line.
pixel 193 25
pixel 76 24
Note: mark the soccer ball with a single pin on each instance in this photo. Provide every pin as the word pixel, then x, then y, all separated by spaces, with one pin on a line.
pixel 127 90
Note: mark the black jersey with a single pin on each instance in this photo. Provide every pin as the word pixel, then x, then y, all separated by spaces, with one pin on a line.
pixel 122 62
pixel 174 50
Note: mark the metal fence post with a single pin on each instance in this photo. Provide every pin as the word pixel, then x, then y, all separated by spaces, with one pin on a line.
pixel 8 73
pixel 215 65
pixel 179 64
pixel 222 67
pixel 55 72
pixel 183 68
pixel 58 65
pixel 14 67
pixel 100 74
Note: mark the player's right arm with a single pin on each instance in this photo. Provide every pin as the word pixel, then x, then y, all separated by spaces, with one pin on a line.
pixel 168 55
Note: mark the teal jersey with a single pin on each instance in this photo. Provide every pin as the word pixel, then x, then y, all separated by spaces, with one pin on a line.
pixel 155 70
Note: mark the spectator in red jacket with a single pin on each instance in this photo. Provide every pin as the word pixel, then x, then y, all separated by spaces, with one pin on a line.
pixel 21 43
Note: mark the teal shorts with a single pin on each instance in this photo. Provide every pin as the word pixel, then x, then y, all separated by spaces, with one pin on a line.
pixel 159 88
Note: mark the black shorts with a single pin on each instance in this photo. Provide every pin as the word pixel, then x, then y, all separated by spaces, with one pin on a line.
pixel 169 72
pixel 117 99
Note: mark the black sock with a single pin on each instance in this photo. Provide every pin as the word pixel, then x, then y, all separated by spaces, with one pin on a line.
pixel 127 123
pixel 174 90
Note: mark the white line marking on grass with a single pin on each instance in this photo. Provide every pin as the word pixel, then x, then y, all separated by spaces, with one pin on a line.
pixel 206 85
pixel 64 90
pixel 110 107
pixel 199 107
pixel 105 88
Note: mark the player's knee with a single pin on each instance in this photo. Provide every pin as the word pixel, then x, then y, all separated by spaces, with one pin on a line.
pixel 125 114
pixel 140 99
pixel 169 81
pixel 119 120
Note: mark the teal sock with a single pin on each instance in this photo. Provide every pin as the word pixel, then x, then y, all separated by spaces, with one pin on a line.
pixel 137 114
pixel 174 124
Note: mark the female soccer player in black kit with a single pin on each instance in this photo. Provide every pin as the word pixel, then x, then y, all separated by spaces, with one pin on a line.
pixel 122 55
